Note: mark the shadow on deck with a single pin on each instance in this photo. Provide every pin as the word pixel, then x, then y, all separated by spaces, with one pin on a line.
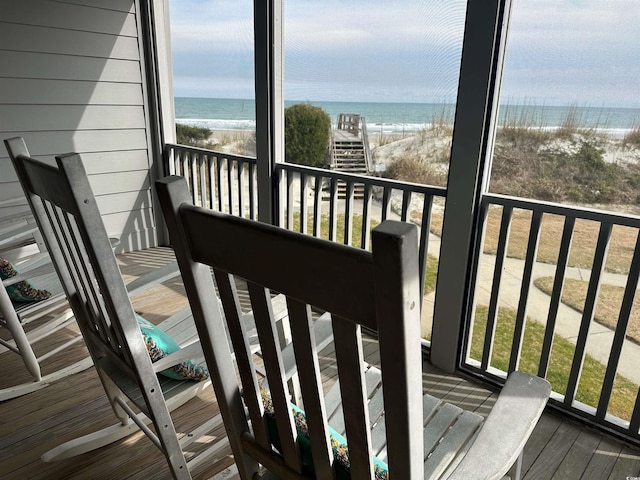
pixel 558 449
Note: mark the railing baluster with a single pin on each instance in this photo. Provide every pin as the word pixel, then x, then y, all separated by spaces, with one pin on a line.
pixel 252 193
pixel 230 184
pixel 348 213
pixel 184 170
pixel 317 207
pixel 210 182
pixel 304 204
pixel 492 314
pixel 525 287
pixel 556 295
pixel 365 239
pixel 406 203
pixel 290 200
pixel 194 176
pixel 219 182
pixel 203 179
pixel 333 210
pixel 386 202
pixel 620 333
pixel 588 312
pixel 425 229
pixel 634 425
pixel 241 187
pixel 280 191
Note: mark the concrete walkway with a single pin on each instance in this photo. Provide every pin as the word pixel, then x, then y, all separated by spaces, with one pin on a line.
pixel 568 320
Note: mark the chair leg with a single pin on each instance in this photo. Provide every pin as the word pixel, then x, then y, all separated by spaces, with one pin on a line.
pixel 45 381
pixel 113 433
pixel 515 472
pixel 20 338
pixel 43 331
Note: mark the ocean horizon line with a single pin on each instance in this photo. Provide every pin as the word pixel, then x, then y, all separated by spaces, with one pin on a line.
pixel 391 117
pixel 525 103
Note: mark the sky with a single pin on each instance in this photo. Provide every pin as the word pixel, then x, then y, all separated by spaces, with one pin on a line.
pixel 559 52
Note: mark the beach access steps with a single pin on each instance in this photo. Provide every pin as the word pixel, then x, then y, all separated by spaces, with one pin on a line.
pixel 350 150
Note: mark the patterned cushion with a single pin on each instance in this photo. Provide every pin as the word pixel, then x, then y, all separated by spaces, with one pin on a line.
pixel 21 291
pixel 338 442
pixel 159 345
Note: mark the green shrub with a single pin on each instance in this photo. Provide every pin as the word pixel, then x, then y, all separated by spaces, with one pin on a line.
pixel 306 135
pixel 194 136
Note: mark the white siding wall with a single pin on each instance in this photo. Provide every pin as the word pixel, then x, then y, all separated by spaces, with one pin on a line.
pixel 70 80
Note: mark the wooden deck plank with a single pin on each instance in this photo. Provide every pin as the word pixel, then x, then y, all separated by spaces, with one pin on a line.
pixel 558 446
pixel 577 459
pixel 627 464
pixel 603 460
pixel 544 431
pixel 553 453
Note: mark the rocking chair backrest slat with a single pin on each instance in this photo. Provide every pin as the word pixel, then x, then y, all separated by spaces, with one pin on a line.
pixel 378 291
pixel 311 383
pixel 266 327
pixel 242 351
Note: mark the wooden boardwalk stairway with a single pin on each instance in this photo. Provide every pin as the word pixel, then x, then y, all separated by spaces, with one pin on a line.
pixel 350 150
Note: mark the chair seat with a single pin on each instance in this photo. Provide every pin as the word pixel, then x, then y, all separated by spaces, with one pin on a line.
pixel 447 428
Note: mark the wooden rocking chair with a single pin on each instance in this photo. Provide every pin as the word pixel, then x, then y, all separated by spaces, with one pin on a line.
pixel 20 245
pixel 66 212
pixel 391 427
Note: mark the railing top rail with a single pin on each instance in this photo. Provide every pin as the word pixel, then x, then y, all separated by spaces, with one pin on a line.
pixel 582 213
pixel 204 151
pixel 381 182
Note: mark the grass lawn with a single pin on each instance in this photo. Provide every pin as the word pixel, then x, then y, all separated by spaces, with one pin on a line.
pixel 624 393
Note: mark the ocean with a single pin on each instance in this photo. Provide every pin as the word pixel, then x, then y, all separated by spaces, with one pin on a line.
pixel 239 114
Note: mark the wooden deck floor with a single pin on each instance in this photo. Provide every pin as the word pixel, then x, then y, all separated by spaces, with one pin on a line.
pixel 32 424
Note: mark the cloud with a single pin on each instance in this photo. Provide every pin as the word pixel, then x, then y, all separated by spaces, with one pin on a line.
pixel 560 51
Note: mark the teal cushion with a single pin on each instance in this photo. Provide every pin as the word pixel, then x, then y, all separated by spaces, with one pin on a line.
pixel 338 442
pixel 159 345
pixel 21 291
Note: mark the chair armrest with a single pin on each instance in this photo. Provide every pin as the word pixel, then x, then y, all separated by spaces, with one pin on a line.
pixel 153 278
pixel 36 265
pixel 188 352
pixel 21 232
pixel 507 428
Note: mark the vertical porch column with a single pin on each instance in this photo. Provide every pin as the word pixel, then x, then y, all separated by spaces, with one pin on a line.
pixel 471 152
pixel 268 46
pixel 155 54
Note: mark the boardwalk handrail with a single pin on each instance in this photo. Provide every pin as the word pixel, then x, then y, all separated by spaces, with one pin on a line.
pixel 365 141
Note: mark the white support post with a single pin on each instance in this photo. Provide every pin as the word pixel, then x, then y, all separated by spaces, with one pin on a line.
pixel 268 41
pixel 471 150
